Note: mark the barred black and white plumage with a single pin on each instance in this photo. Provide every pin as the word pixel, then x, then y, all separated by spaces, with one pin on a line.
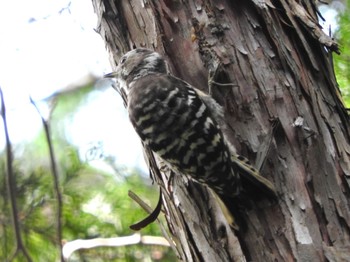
pixel 181 124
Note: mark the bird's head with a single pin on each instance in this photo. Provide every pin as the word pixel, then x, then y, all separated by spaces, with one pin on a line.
pixel 138 63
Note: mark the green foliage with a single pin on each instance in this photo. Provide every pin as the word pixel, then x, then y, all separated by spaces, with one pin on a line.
pixel 95 202
pixel 342 62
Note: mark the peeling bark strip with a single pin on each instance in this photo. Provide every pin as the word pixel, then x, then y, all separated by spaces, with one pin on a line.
pixel 275 55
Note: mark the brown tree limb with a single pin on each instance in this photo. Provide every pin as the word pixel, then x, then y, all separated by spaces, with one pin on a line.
pixel 278 58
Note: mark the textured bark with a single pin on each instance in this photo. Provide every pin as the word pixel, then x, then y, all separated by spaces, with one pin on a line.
pixel 277 57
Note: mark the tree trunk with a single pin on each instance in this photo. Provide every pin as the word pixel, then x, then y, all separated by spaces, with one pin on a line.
pixel 284 112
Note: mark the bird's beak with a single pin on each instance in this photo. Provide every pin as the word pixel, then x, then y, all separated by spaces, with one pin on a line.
pixel 112 75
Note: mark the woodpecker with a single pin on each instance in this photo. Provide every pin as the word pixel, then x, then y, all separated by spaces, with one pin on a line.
pixel 182 125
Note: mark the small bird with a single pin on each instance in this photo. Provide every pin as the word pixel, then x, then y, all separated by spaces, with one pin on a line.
pixel 182 125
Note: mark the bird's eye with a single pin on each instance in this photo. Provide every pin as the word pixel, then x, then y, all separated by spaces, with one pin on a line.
pixel 122 60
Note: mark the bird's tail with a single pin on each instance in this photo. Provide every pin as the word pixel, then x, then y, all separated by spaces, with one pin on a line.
pixel 254 186
pixel 250 175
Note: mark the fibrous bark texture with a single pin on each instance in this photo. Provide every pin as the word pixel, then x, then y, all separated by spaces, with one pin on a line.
pixel 283 110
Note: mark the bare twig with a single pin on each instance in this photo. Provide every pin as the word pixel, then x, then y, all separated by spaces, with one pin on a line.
pixel 139 201
pixel 11 187
pixel 153 215
pixel 149 210
pixel 55 179
pixel 77 244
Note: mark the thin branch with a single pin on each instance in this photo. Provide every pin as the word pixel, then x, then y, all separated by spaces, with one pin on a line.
pixel 139 201
pixel 153 215
pixel 55 179
pixel 77 244
pixel 149 210
pixel 11 186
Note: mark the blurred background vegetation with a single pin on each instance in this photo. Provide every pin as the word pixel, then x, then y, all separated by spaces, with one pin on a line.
pixel 95 199
pixel 342 62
